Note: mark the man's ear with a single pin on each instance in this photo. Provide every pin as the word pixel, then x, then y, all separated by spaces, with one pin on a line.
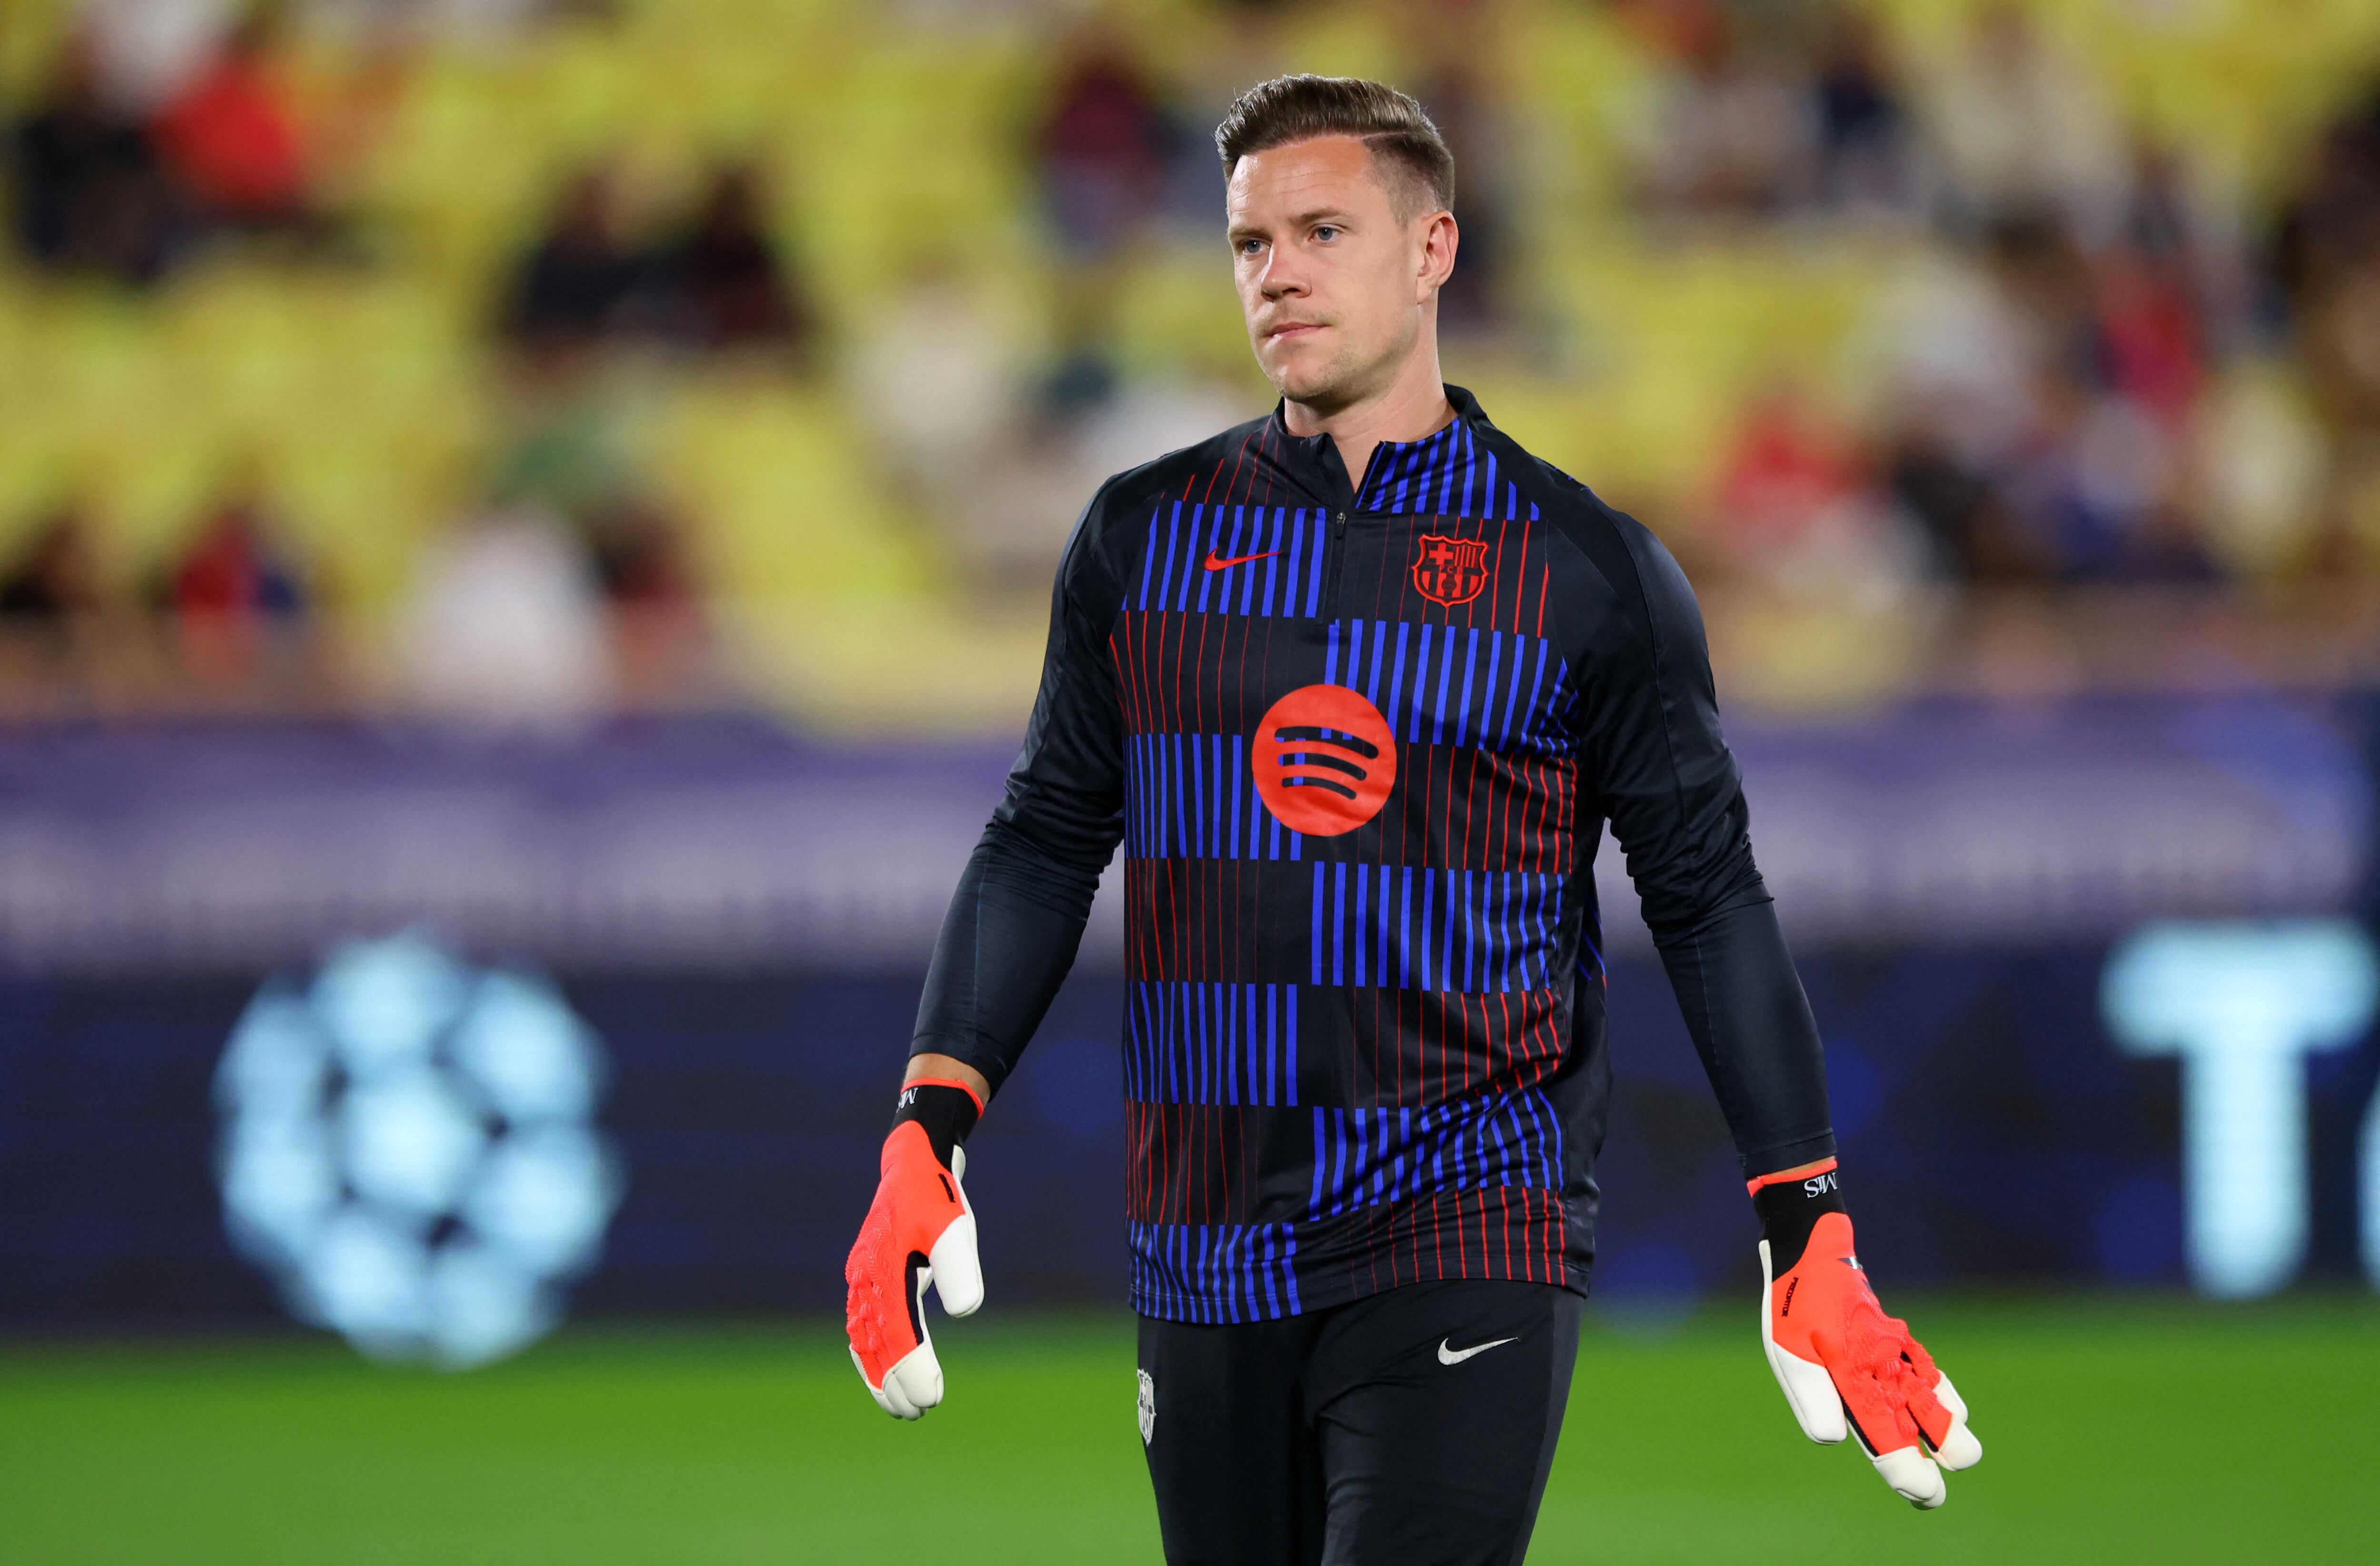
pixel 1439 240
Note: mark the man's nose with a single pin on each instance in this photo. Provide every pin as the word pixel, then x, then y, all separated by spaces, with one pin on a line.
pixel 1282 277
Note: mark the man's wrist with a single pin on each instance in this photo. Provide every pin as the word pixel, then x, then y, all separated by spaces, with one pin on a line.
pixel 945 1108
pixel 929 1066
pixel 1789 1203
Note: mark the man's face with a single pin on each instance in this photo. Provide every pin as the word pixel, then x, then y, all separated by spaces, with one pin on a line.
pixel 1334 285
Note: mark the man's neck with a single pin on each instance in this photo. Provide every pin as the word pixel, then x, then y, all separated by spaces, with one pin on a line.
pixel 1411 406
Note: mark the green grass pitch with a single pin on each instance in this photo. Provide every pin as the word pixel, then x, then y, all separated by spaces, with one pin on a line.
pixel 2156 1430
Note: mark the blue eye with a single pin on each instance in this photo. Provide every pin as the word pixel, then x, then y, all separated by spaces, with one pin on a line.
pixel 1326 231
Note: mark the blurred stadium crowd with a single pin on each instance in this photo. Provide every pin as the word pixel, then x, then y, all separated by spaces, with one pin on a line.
pixel 526 359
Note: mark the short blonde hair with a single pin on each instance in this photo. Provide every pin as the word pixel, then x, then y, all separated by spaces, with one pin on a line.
pixel 1397 130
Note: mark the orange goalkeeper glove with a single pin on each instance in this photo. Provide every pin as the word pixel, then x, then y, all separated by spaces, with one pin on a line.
pixel 920 1231
pixel 1845 1364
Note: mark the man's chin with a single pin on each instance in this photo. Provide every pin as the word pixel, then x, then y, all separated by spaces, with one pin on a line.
pixel 1323 387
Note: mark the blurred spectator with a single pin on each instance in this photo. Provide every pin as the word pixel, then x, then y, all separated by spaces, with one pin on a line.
pixel 1974 341
pixel 658 630
pixel 1969 533
pixel 1103 152
pixel 2152 347
pixel 52 580
pixel 1247 41
pixel 2047 285
pixel 723 285
pixel 2331 226
pixel 231 571
pixel 1865 163
pixel 508 627
pixel 1474 297
pixel 228 590
pixel 2327 262
pixel 146 51
pixel 2017 131
pixel 1787 471
pixel 2176 227
pixel 1463 45
pixel 1735 135
pixel 2095 490
pixel 89 192
pixel 231 140
pixel 1674 30
pixel 471 18
pixel 935 379
pixel 1961 359
pixel 575 284
pixel 1796 509
pixel 2044 410
pixel 1102 165
pixel 640 558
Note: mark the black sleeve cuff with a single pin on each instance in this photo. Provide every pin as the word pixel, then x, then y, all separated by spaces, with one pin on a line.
pixel 1758 1161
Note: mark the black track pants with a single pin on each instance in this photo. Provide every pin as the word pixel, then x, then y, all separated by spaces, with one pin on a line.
pixel 1387 1432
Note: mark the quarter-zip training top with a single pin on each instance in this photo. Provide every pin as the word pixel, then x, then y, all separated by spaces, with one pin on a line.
pixel 1359 751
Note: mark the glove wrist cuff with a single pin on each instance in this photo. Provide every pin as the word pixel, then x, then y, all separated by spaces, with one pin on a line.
pixel 1789 1203
pixel 947 1110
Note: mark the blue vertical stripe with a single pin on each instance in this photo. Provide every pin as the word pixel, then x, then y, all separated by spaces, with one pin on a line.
pixel 1289 1035
pixel 1212 1273
pixel 1149 556
pixel 1445 675
pixel 1472 658
pixel 1488 691
pixel 1479 931
pixel 1285 542
pixel 1211 1043
pixel 1362 922
pixel 1319 911
pixel 1239 775
pixel 1272 562
pixel 1421 676
pixel 1172 554
pixel 1338 923
pixel 1443 475
pixel 1365 1157
pixel 1255 546
pixel 1314 572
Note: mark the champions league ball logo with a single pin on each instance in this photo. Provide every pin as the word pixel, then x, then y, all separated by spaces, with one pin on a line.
pixel 408 1145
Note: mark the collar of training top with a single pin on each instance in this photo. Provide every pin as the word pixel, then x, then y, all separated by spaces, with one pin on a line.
pixel 1316 460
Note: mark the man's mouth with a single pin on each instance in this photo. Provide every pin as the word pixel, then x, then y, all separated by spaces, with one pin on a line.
pixel 1291 330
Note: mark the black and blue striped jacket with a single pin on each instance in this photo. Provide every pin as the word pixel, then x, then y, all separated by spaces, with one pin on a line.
pixel 1359 750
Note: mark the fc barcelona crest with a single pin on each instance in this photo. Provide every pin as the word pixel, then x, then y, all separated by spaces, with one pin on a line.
pixel 1449 571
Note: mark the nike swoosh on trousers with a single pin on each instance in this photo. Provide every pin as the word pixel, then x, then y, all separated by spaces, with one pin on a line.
pixel 1455 1356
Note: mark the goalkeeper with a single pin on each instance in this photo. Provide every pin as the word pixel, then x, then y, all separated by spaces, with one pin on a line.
pixel 1356 687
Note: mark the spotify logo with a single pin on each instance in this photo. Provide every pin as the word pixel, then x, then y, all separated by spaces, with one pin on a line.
pixel 1325 760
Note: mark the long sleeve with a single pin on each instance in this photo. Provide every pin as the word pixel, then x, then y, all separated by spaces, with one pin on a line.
pixel 1675 800
pixel 1016 920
